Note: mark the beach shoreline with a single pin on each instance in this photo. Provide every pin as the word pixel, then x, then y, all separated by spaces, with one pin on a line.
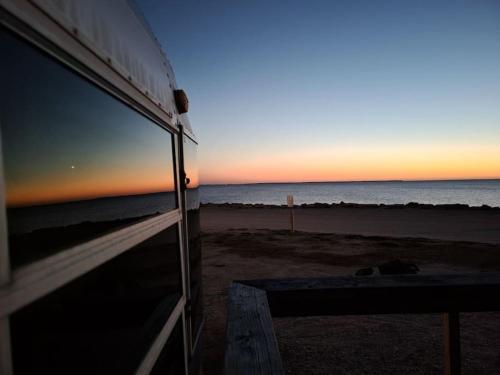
pixel 451 223
pixel 249 242
pixel 453 206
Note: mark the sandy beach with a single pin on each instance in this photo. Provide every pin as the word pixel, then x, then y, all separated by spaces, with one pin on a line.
pixel 252 242
pixel 438 222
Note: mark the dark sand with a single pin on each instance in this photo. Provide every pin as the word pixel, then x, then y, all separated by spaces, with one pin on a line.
pixel 460 224
pixel 235 246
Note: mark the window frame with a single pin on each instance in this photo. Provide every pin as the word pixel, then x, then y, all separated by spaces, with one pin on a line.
pixel 192 339
pixel 4 251
pixel 42 277
pixel 154 352
pixel 51 37
pixel 32 281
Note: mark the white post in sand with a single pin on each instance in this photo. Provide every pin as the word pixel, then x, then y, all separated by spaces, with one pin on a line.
pixel 289 201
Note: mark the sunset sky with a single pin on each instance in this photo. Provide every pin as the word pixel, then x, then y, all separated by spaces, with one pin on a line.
pixel 337 90
pixel 57 149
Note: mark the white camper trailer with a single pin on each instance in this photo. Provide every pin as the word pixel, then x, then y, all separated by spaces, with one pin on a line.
pixel 100 259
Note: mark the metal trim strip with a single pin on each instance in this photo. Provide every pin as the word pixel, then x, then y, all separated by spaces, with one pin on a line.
pixel 43 25
pixel 4 250
pixel 150 358
pixel 38 279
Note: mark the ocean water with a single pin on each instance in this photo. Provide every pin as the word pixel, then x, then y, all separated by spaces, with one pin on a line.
pixel 471 192
pixel 27 219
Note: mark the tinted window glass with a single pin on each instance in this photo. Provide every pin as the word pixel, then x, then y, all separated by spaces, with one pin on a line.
pixel 77 162
pixel 171 359
pixel 105 321
pixel 193 221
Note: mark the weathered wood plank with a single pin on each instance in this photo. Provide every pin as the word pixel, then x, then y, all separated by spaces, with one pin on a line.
pixel 381 295
pixel 5 349
pixel 395 281
pixel 251 346
pixel 452 357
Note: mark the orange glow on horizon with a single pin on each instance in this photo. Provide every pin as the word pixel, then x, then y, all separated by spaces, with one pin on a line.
pixel 363 164
pixel 86 186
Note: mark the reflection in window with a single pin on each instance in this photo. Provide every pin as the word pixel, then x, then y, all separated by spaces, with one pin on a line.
pixel 105 321
pixel 77 162
pixel 194 239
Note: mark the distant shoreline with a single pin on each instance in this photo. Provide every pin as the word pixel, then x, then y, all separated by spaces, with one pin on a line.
pixel 456 206
pixel 352 182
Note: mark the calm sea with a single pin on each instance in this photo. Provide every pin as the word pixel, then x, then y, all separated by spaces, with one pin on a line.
pixel 471 192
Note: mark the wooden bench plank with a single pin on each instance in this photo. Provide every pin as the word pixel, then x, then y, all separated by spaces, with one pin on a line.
pixel 394 281
pixel 251 343
pixel 251 346
pixel 451 337
pixel 381 294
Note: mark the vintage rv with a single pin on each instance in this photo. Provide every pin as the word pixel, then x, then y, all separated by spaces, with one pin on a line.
pixel 100 259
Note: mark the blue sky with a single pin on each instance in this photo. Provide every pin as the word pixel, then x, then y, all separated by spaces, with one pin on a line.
pixel 276 86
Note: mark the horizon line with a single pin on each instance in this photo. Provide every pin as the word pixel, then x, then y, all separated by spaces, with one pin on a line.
pixel 351 181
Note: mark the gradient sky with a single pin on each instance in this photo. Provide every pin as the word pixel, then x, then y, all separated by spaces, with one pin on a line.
pixel 65 140
pixel 337 90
